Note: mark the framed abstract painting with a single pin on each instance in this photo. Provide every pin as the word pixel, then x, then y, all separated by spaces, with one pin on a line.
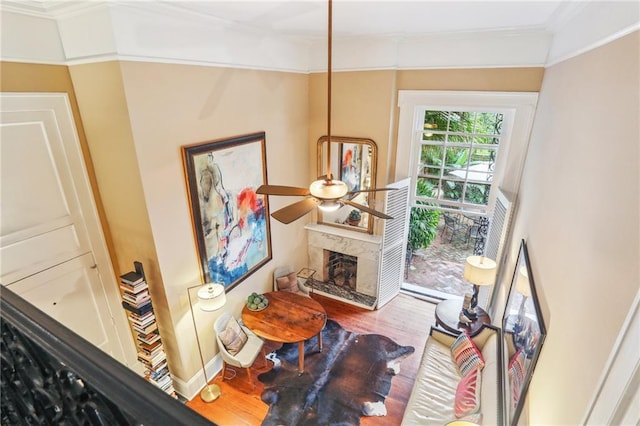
pixel 230 221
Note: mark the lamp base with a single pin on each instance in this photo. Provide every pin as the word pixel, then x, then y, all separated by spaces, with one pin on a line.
pixel 210 393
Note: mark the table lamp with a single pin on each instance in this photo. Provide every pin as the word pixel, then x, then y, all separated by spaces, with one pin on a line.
pixel 478 270
pixel 211 297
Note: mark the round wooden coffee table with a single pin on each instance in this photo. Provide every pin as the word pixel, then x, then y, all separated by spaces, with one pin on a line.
pixel 289 318
pixel 448 313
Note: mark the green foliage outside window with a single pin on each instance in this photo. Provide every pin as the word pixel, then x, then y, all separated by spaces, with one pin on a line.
pixel 439 160
pixel 423 223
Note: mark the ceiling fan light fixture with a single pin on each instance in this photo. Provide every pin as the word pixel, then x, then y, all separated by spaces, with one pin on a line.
pixel 328 189
pixel 329 206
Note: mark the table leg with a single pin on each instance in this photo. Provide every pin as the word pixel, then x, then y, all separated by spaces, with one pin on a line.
pixel 300 357
pixel 320 341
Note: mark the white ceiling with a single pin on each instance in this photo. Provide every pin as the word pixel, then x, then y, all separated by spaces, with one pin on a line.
pixel 376 17
pixel 308 18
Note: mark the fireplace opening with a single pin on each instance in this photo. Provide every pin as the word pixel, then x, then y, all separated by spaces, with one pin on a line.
pixel 340 269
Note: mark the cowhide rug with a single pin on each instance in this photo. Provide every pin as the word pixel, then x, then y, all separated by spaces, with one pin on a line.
pixel 350 378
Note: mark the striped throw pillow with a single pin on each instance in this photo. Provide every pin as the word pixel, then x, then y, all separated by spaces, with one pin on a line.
pixel 466 354
pixel 467 400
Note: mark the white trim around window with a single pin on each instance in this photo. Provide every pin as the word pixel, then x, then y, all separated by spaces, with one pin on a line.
pixel 520 107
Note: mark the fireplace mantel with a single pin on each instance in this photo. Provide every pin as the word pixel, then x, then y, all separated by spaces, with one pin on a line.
pixel 365 247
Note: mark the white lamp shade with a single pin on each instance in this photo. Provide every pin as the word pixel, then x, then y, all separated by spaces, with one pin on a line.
pixel 480 270
pixel 522 282
pixel 212 297
pixel 328 191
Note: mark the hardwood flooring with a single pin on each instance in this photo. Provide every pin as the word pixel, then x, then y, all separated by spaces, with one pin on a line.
pixel 405 319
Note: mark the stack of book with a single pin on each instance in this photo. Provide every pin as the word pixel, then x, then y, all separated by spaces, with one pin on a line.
pixel 137 301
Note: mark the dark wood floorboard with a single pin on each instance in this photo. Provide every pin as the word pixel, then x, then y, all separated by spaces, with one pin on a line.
pixel 405 319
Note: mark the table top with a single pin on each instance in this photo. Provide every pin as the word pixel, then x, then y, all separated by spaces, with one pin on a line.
pixel 288 318
pixel 448 314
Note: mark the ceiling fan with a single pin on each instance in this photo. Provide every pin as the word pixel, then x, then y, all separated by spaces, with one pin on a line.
pixel 326 193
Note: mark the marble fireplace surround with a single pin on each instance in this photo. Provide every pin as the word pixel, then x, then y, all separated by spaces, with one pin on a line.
pixel 365 247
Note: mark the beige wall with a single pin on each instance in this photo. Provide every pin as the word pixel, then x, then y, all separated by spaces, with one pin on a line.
pixel 579 213
pixel 170 106
pixel 106 120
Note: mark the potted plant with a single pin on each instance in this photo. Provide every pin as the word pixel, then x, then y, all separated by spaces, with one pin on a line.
pixel 354 217
pixel 423 225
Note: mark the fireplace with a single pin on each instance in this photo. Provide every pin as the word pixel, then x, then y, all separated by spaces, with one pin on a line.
pixel 340 269
pixel 347 264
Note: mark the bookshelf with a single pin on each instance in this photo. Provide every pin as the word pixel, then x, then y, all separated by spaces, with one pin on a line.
pixel 137 303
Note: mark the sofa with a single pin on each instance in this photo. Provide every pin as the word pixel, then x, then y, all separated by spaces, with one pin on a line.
pixel 433 397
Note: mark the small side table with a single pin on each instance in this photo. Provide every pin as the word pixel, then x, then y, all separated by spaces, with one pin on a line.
pixel 307 275
pixel 448 313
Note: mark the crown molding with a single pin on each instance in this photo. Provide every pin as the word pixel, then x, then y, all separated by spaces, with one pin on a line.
pixel 593 25
pixel 73 32
pixel 50 9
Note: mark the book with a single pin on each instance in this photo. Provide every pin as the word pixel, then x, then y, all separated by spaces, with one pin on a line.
pixel 142 322
pixel 134 289
pixel 149 338
pixel 136 300
pixel 150 347
pixel 131 278
pixel 138 309
pixel 142 317
pixel 146 330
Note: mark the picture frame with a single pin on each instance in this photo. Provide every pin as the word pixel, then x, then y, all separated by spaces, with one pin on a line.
pixel 230 221
pixel 361 155
pixel 524 331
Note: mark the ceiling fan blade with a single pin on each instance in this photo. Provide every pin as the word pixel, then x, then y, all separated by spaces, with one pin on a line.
pixel 367 209
pixel 296 210
pixel 282 190
pixel 371 190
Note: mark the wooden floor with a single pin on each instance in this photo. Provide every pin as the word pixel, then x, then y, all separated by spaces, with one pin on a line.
pixel 405 319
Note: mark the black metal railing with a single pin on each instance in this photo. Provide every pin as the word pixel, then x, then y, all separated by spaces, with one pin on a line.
pixel 52 376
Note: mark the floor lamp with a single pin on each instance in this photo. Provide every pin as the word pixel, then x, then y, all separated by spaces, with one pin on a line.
pixel 211 297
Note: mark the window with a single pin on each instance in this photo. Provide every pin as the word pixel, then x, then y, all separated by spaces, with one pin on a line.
pixel 463 152
pixel 456 155
pixel 463 145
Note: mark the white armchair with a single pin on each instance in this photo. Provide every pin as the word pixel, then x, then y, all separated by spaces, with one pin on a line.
pixel 246 355
pixel 283 280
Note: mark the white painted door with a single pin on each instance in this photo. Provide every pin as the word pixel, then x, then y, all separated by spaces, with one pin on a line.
pixel 52 249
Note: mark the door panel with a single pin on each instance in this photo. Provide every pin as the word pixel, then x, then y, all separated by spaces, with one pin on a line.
pixel 31 189
pixel 31 255
pixel 42 223
pixel 71 293
pixel 52 250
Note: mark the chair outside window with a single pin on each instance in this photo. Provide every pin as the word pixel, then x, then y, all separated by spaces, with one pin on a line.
pixel 233 350
pixel 453 225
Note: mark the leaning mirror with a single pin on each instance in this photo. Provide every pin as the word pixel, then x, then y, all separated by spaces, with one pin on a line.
pixel 524 332
pixel 353 161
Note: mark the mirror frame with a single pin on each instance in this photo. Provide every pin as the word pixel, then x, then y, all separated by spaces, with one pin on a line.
pixel 336 155
pixel 523 329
